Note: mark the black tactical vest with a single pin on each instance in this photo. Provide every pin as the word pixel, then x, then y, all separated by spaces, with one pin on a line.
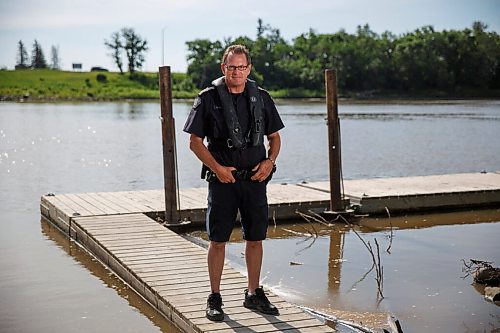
pixel 238 139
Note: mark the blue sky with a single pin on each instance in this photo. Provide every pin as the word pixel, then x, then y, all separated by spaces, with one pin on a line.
pixel 79 28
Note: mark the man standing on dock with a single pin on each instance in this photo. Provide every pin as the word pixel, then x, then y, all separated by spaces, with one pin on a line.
pixel 235 115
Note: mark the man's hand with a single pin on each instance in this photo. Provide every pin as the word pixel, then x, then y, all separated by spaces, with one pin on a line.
pixel 264 169
pixel 224 174
pixel 200 150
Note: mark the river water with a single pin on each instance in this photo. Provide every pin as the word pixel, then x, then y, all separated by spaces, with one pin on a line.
pixel 49 284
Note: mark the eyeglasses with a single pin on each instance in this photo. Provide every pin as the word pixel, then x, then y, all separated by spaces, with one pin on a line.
pixel 241 68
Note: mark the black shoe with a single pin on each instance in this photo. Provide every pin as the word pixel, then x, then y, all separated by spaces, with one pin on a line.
pixel 258 301
pixel 214 307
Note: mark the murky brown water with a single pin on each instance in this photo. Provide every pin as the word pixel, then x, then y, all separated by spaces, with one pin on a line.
pixel 49 285
pixel 95 268
pixel 423 283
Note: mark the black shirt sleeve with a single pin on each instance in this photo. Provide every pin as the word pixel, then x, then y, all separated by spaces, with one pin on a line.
pixel 273 120
pixel 195 123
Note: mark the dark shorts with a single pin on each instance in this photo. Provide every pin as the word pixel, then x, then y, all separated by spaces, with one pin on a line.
pixel 224 201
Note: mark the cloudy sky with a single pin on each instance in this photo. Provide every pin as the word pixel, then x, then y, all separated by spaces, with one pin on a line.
pixel 79 28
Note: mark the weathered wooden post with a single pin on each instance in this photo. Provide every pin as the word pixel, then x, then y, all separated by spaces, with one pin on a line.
pixel 169 148
pixel 333 140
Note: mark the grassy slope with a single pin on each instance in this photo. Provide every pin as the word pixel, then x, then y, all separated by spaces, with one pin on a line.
pixel 47 85
pixel 62 85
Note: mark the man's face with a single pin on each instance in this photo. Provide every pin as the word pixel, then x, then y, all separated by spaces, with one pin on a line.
pixel 235 72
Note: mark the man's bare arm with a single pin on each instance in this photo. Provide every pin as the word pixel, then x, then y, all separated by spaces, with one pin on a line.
pixel 265 167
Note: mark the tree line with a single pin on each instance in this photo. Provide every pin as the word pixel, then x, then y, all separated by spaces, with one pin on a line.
pixel 422 60
pixel 124 41
pixel 37 60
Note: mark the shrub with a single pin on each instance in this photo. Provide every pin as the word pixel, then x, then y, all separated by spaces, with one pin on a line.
pixel 101 78
pixel 148 81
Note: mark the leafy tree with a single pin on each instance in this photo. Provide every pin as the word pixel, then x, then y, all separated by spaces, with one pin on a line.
pixel 134 47
pixel 204 59
pixel 54 56
pixel 422 60
pixel 483 56
pixel 37 57
pixel 115 46
pixel 266 51
pixel 22 56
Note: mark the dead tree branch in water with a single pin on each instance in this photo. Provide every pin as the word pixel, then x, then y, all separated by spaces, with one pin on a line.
pixel 473 266
pixel 380 271
pixel 312 234
pixel 388 250
pixel 354 285
pixel 376 262
pixel 316 218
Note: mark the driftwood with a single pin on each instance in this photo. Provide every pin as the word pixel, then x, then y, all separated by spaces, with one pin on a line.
pixel 489 276
pixel 492 294
pixel 484 273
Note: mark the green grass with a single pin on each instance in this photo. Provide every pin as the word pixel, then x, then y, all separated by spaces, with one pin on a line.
pixel 50 85
pixel 63 85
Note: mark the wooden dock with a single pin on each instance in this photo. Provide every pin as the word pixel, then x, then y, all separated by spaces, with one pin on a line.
pixel 164 268
pixel 120 230
pixel 423 193
pixel 372 196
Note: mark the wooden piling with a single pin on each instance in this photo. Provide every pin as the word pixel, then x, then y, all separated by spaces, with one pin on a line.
pixel 169 147
pixel 333 140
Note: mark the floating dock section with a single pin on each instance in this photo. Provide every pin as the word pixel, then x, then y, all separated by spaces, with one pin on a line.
pixel 120 230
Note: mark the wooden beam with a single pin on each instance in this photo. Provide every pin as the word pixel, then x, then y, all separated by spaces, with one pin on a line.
pixel 169 148
pixel 333 140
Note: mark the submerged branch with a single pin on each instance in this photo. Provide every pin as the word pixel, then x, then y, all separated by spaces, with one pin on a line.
pixel 380 272
pixel 376 261
pixel 388 250
pixel 362 278
pixel 473 266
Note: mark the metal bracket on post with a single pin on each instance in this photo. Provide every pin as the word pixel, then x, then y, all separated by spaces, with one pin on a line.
pixel 172 204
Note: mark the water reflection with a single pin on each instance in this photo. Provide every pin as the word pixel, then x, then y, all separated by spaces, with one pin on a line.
pixel 131 110
pixel 335 259
pixel 97 269
pixel 416 221
pixel 422 272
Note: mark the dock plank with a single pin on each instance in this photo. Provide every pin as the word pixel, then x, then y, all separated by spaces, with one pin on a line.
pixel 171 273
pixel 123 199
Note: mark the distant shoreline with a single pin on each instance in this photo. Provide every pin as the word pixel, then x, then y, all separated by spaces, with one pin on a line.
pixel 63 86
pixel 281 100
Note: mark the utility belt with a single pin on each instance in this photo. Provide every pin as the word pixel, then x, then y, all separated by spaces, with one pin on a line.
pixel 239 175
